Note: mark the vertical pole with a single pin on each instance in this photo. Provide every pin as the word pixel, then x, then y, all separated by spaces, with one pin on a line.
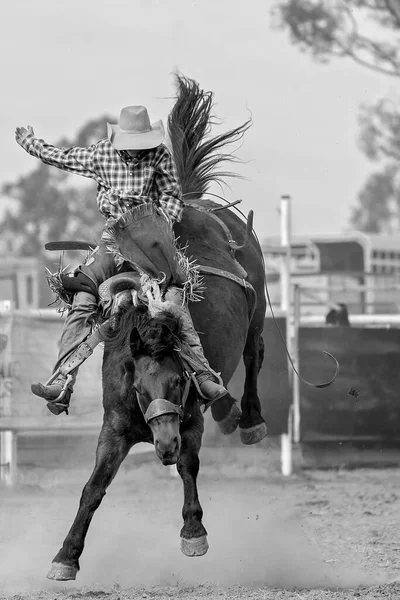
pixel 286 297
pixel 8 443
pixel 296 361
pixel 8 457
pixel 286 438
pixel 368 297
pixel 286 257
pixel 286 447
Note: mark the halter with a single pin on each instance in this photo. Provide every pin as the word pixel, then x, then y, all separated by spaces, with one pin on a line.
pixel 161 406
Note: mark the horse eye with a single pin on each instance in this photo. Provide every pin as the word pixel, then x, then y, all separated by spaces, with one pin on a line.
pixel 177 382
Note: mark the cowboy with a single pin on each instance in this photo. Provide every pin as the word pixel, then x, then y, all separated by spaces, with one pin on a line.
pixel 131 166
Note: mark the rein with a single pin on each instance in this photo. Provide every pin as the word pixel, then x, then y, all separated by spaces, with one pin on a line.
pixel 305 381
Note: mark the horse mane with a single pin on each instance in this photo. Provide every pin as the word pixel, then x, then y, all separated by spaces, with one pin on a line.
pixel 189 123
pixel 156 336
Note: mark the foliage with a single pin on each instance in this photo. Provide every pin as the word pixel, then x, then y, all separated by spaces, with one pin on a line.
pixel 367 32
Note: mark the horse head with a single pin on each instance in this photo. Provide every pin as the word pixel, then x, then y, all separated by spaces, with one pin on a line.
pixel 159 380
pixel 338 316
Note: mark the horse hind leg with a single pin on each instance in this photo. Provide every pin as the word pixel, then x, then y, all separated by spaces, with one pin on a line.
pixel 252 425
pixel 111 451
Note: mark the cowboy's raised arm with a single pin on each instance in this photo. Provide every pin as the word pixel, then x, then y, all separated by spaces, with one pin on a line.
pixel 74 160
pixel 168 187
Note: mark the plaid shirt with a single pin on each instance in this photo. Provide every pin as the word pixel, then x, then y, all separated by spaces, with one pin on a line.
pixel 122 181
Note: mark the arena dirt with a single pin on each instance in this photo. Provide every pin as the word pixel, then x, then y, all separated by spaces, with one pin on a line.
pixel 318 534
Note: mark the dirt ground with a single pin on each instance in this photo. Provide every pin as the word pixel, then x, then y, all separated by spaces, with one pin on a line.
pixel 316 535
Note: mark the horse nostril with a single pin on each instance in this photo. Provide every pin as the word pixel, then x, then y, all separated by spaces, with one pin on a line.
pixel 167 449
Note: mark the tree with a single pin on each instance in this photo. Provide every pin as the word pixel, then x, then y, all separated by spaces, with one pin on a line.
pixel 367 32
pixel 378 208
pixel 381 216
pixel 51 204
pixel 342 28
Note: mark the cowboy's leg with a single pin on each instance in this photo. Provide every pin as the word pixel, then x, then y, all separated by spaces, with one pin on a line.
pixel 208 381
pixel 78 325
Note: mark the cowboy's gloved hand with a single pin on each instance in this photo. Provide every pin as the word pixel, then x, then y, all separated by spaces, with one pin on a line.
pixel 21 133
pixel 158 306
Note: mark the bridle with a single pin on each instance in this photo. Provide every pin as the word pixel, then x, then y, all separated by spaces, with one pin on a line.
pixel 160 406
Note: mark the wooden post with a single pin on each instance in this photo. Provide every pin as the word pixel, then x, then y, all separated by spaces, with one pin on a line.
pixel 296 362
pixel 8 457
pixel 286 447
pixel 8 439
pixel 286 257
pixel 286 305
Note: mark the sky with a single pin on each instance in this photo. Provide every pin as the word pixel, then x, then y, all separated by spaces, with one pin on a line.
pixel 63 63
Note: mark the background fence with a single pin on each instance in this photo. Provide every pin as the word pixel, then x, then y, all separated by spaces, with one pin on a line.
pixel 369 360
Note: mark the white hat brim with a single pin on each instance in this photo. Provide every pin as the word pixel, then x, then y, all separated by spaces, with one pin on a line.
pixel 125 140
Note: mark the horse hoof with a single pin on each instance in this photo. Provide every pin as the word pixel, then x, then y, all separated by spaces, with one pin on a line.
pixel 194 546
pixel 61 572
pixel 252 435
pixel 231 421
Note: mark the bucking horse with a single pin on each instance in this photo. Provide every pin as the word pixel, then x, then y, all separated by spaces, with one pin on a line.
pixel 148 393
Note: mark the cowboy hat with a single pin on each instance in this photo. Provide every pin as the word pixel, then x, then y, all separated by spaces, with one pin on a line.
pixel 134 130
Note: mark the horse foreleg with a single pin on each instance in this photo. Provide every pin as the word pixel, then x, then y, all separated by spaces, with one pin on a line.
pixel 193 533
pixel 252 426
pixel 111 451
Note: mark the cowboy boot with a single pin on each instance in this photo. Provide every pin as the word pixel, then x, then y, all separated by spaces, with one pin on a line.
pixel 74 348
pixel 57 392
pixel 209 382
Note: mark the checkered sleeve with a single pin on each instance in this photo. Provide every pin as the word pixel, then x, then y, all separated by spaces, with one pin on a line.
pixel 74 160
pixel 168 187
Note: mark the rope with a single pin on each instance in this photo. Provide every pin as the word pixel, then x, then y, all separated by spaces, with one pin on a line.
pixel 309 383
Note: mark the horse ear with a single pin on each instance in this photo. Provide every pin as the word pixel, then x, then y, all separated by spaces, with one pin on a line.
pixel 135 340
pixel 136 343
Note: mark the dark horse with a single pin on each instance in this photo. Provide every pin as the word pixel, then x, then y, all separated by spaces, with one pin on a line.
pixel 338 316
pixel 147 394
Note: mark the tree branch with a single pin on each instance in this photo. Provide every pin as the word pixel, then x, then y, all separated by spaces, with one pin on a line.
pixel 393 8
pixel 328 28
pixel 350 53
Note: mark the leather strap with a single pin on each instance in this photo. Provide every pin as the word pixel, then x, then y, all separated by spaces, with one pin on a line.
pixel 242 282
pixel 82 352
pixel 226 274
pixel 159 407
pixel 226 231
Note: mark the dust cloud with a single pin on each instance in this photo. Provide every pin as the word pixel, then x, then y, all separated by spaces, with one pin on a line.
pixel 255 538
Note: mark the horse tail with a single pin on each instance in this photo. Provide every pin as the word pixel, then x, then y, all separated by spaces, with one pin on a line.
pixel 196 157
